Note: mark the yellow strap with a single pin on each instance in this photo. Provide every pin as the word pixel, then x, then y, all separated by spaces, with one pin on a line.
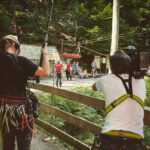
pixel 124 134
pixel 138 100
pixel 120 100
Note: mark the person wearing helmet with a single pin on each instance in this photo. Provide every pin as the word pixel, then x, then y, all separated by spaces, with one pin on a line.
pixel 14 72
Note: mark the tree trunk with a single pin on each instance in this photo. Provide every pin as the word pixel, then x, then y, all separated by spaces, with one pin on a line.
pixel 13 11
pixel 115 27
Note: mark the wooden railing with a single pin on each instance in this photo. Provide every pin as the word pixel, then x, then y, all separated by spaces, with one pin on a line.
pixel 82 123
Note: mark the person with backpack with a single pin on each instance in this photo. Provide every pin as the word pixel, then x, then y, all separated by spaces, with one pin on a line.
pixel 16 111
pixel 124 94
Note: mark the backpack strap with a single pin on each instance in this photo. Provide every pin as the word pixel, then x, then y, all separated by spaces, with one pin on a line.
pixel 129 91
pixel 124 81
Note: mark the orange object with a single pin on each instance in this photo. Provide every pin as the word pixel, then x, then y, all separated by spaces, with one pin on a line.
pixel 71 56
pixel 24 123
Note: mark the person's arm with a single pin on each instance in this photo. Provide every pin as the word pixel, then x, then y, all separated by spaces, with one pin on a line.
pixel 43 71
pixel 94 87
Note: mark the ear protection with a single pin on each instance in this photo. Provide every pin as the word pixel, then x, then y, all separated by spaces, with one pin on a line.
pixel 13 38
pixel 17 45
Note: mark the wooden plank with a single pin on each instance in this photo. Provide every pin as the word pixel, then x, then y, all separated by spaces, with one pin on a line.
pixel 62 135
pixel 147 116
pixel 87 100
pixel 84 124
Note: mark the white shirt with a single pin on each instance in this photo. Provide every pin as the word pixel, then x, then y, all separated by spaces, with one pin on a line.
pixel 127 116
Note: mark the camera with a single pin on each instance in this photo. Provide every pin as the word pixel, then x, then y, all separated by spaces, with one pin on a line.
pixel 140 61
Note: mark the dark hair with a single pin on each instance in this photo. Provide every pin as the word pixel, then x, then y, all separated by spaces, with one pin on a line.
pixel 5 44
pixel 120 63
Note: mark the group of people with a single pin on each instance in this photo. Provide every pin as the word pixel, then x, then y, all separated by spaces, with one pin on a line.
pixel 124 95
pixel 70 70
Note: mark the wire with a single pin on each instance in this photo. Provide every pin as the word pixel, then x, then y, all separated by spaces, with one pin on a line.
pixel 94 51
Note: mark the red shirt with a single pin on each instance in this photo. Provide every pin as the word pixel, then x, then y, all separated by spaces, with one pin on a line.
pixel 68 67
pixel 58 67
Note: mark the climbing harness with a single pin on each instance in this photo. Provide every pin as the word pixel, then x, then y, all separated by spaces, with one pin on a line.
pixel 119 133
pixel 118 101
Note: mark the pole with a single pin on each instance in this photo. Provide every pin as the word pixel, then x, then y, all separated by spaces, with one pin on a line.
pixel 46 36
pixel 46 41
pixel 115 27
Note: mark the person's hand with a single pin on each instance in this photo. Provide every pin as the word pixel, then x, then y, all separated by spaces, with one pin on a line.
pixel 44 49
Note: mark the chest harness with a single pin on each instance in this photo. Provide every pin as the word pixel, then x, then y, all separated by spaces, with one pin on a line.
pixel 118 101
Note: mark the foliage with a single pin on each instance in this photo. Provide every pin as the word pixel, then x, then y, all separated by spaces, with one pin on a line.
pixel 80 110
pixel 75 20
pixel 147 135
pixel 147 91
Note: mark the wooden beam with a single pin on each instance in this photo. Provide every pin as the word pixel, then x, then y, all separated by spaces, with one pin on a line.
pixel 84 124
pixel 62 135
pixel 87 100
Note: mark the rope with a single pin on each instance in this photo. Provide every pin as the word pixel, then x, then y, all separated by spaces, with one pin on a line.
pixel 94 51
pixel 24 122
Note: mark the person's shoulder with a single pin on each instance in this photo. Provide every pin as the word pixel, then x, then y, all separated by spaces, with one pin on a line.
pixel 141 80
pixel 107 78
pixel 23 59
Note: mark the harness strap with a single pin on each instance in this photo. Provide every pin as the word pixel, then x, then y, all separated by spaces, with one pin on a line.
pixel 124 134
pixel 118 101
pixel 124 82
pixel 12 101
pixel 129 80
pixel 115 103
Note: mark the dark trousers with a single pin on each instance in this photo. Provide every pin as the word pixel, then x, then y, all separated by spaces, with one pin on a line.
pixel 68 75
pixel 106 142
pixel 23 140
pixel 58 79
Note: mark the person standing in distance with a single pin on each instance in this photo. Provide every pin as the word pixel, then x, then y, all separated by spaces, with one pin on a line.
pixel 58 70
pixel 124 95
pixel 14 72
pixel 68 71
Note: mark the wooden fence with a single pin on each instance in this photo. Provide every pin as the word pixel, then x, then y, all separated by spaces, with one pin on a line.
pixel 82 123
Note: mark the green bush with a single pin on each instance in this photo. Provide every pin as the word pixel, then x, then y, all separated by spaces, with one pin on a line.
pixel 147 91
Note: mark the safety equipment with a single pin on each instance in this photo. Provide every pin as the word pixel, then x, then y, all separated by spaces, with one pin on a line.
pixel 118 101
pixel 124 134
pixel 14 39
pixel 129 91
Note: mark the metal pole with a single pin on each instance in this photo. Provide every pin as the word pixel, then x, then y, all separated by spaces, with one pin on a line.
pixel 46 36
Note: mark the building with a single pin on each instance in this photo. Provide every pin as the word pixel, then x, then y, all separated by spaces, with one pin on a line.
pixel 33 52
